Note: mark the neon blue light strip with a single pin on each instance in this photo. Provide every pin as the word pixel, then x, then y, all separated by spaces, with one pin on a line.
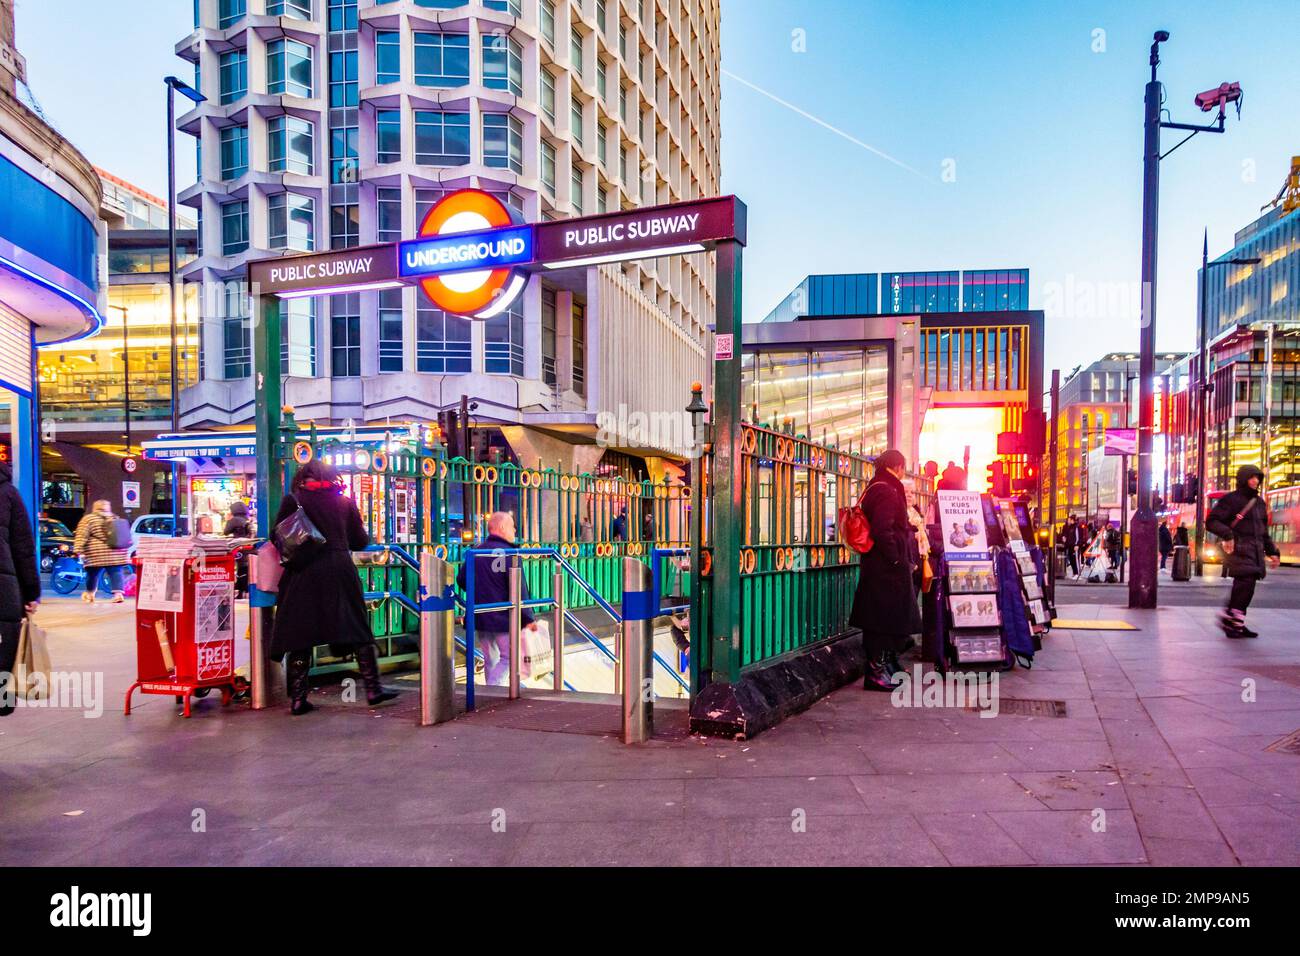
pixel 64 293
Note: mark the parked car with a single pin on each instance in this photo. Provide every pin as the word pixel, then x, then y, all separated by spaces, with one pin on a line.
pixel 155 526
pixel 56 542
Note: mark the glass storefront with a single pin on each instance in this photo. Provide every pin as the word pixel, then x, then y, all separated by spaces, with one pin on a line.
pixel 839 396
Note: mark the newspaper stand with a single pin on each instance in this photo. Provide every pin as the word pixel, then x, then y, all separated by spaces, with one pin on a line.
pixel 185 619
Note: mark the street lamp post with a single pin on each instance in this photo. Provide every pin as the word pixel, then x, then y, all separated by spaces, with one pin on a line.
pixel 1143 576
pixel 1203 389
pixel 174 85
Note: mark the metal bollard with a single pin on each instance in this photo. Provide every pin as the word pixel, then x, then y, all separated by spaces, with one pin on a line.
pixel 639 608
pixel 437 639
pixel 557 630
pixel 516 598
pixel 264 675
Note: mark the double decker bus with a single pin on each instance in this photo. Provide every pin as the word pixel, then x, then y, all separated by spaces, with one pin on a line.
pixel 1284 521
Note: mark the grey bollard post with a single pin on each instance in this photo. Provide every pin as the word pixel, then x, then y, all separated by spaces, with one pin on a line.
pixel 640 605
pixel 557 630
pixel 437 641
pixel 516 599
pixel 265 676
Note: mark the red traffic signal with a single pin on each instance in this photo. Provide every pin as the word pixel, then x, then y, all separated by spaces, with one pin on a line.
pixel 999 480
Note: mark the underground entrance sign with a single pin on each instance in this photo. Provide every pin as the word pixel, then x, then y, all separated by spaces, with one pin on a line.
pixel 472 257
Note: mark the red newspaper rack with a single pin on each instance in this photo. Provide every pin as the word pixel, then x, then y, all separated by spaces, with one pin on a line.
pixel 185 619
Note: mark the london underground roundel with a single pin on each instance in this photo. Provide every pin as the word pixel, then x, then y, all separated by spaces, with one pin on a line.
pixel 482 293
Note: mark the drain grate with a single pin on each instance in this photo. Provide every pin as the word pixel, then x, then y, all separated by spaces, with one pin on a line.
pixel 1026 707
pixel 1290 744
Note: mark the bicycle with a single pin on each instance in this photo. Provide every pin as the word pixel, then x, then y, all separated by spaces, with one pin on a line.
pixel 69 575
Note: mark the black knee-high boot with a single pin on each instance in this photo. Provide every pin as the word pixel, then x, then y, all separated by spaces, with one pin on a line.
pixel 296 679
pixel 368 664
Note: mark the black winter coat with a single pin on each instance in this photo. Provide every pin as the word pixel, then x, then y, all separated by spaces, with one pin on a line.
pixel 20 581
pixel 884 605
pixel 1166 539
pixel 1250 538
pixel 492 586
pixel 321 602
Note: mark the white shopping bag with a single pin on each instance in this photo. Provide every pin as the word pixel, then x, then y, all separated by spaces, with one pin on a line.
pixel 536 655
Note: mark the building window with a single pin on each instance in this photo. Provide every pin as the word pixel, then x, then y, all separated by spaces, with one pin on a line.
pixel 345 226
pixel 503 65
pixel 230 12
pixel 288 68
pixel 390 330
pixel 549 375
pixel 503 346
pixel 291 222
pixel 602 144
pixel 425 199
pixel 441 139
pixel 237 348
pixel 298 337
pixel 343 154
pixel 234 228
pixel 548 95
pixel 291 145
pixel 441 59
pixel 575 189
pixel 388 56
pixel 548 166
pixel 388 216
pixel 602 85
pixel 546 15
pixel 298 9
pixel 575 120
pixel 575 50
pixel 512 7
pixel 442 341
pixel 388 136
pixel 503 142
pixel 343 15
pixel 234 152
pixel 234 75
pixel 578 336
pixel 345 335
pixel 343 79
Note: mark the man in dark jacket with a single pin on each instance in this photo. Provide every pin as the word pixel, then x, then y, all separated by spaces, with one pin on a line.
pixel 1070 543
pixel 1166 543
pixel 884 605
pixel 1240 519
pixel 492 586
pixel 20 581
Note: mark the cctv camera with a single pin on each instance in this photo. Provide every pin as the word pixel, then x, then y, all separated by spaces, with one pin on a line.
pixel 1220 96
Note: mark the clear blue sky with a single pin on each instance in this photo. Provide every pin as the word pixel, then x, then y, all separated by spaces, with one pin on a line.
pixel 1044 136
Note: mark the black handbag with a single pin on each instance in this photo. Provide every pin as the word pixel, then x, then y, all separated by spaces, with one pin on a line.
pixel 297 538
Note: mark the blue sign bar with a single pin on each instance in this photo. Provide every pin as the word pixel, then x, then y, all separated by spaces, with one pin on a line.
pixel 466 251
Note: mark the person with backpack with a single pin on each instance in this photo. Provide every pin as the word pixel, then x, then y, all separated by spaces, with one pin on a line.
pixel 884 605
pixel 1240 519
pixel 103 541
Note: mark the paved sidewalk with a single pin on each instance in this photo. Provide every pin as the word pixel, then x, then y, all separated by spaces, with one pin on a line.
pixel 1157 744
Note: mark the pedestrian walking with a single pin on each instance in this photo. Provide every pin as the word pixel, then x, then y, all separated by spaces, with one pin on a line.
pixel 320 599
pixel 1240 519
pixel 492 586
pixel 20 580
pixel 98 541
pixel 1166 542
pixel 884 605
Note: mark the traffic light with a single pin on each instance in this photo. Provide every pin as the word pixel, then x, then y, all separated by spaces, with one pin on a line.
pixel 1192 489
pixel 1028 480
pixel 999 480
pixel 1132 482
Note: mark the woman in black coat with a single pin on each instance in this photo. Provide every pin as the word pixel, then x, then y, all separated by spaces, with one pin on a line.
pixel 1240 519
pixel 884 606
pixel 20 581
pixel 320 599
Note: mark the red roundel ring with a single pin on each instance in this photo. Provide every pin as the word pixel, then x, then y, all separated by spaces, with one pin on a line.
pixel 466 210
